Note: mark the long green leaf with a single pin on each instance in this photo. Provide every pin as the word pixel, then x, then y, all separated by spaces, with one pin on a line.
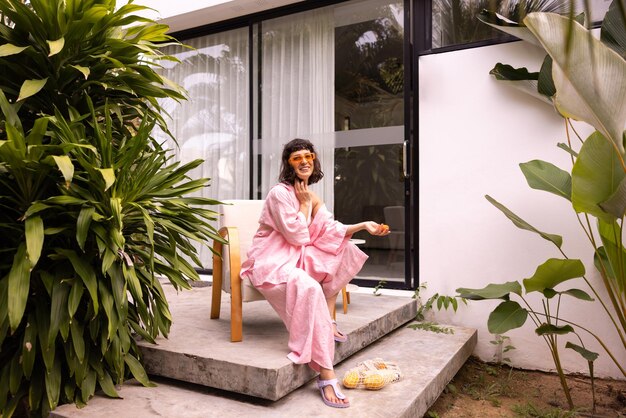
pixel 64 163
pixel 9 49
pixel 588 75
pixel 587 354
pixel 29 346
pixel 520 79
pixel 550 329
pixel 34 238
pixel 76 294
pixel 545 176
pixel 137 370
pixel 19 283
pixel 53 384
pixel 78 341
pixel 86 273
pixel 108 175
pixel 507 316
pixel 58 310
pixel 82 225
pixel 522 224
pixel 553 272
pixel 30 88
pixel 56 46
pixel 491 291
pixel 615 253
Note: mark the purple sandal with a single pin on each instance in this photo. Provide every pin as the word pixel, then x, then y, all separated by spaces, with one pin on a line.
pixel 342 338
pixel 321 384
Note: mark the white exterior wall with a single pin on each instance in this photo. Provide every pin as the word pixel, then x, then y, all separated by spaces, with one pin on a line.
pixel 474 131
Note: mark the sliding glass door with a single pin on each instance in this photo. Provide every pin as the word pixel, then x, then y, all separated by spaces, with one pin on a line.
pixel 335 75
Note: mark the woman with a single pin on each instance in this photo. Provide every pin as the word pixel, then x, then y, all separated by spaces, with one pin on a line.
pixel 300 259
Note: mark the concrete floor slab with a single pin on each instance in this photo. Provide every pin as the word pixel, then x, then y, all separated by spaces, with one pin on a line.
pixel 428 361
pixel 199 350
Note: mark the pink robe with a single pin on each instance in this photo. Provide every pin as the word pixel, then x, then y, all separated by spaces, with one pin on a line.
pixel 297 265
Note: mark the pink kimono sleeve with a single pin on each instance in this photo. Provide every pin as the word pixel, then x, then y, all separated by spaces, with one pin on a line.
pixel 327 234
pixel 281 212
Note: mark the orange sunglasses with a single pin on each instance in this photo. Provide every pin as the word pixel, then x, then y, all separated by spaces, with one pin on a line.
pixel 297 159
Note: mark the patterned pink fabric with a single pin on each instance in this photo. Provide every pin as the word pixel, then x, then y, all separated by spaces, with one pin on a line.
pixel 287 262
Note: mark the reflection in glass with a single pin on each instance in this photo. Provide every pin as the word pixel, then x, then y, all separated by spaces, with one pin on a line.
pixel 455 22
pixel 213 124
pixel 369 69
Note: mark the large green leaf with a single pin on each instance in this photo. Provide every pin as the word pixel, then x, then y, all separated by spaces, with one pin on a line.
pixel 522 224
pixel 542 175
pixel 596 176
pixel 491 291
pixel 554 271
pixel 588 75
pixel 507 316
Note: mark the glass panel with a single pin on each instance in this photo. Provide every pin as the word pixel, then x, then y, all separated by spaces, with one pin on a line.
pixel 213 123
pixel 369 117
pixel 369 184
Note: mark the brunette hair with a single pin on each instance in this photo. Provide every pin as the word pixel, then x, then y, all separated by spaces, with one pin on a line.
pixel 287 173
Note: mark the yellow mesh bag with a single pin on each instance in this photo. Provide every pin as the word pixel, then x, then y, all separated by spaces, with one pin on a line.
pixel 371 374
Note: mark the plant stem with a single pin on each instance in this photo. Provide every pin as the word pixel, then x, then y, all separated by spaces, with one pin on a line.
pixel 606 349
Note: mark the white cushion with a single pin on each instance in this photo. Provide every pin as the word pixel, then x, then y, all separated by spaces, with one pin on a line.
pixel 244 215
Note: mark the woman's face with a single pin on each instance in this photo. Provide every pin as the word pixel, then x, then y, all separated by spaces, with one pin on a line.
pixel 302 163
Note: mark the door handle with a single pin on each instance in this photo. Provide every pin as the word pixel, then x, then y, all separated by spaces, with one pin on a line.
pixel 405 159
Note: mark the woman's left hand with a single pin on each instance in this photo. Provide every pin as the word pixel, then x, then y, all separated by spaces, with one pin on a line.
pixel 376 229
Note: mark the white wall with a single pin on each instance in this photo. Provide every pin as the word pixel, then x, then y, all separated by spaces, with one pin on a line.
pixel 474 132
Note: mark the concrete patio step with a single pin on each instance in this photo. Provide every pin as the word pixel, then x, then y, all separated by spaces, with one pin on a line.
pixel 198 349
pixel 427 360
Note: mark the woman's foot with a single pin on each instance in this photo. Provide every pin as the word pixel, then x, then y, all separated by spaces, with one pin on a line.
pixel 340 337
pixel 329 391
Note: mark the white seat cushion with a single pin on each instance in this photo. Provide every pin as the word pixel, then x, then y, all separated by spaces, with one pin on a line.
pixel 244 215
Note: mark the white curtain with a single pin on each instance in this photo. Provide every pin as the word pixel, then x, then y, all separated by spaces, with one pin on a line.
pixel 298 93
pixel 213 124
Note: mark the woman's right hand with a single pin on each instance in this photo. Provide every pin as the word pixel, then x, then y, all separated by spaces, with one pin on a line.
pixel 302 192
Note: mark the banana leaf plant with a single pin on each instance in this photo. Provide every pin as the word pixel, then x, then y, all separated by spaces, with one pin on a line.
pixel 583 77
pixel 93 214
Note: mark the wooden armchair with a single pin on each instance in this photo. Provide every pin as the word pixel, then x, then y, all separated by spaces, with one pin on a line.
pixel 238 224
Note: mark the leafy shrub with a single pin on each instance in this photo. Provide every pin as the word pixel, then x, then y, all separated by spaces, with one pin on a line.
pixel 92 212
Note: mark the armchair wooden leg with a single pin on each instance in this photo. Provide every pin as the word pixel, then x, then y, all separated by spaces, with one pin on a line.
pixel 236 323
pixel 346 299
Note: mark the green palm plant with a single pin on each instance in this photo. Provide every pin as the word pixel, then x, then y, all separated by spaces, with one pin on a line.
pixel 583 78
pixel 92 212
